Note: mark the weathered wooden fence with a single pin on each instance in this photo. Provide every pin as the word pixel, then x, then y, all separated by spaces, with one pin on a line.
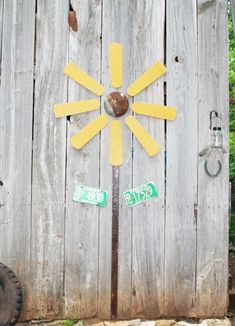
pixel 172 250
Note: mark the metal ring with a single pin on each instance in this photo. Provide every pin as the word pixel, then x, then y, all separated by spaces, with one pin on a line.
pixel 213 175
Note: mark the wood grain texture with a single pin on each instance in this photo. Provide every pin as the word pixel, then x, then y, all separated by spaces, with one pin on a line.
pixel 82 220
pixel 117 26
pixel 181 161
pixel 148 218
pixel 172 249
pixel 212 225
pixel 16 108
pixel 1 27
pixel 49 158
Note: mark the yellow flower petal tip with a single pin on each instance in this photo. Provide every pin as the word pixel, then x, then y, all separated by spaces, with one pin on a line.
pixel 82 78
pixel 115 64
pixel 147 78
pixel 144 138
pixel 89 131
pixel 115 147
pixel 154 110
pixel 65 109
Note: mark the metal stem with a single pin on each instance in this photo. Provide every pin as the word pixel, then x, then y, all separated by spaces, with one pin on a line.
pixel 115 238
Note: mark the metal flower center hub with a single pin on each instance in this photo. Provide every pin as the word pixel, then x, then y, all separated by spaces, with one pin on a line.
pixel 116 104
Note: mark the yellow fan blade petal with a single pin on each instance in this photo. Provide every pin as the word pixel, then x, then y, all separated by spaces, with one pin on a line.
pixel 65 109
pixel 82 78
pixel 115 64
pixel 145 139
pixel 115 150
pixel 89 131
pixel 148 77
pixel 154 110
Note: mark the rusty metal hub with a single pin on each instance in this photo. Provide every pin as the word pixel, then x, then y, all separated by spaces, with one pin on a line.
pixel 116 104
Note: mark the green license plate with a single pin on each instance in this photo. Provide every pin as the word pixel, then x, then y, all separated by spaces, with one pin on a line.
pixel 90 196
pixel 140 194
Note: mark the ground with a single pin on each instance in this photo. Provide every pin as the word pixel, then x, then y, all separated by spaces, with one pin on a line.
pixel 208 322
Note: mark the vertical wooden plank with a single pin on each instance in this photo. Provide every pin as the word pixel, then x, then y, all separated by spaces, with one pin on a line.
pixel 182 156
pixel 16 139
pixel 82 221
pixel 213 193
pixel 117 27
pixel 1 29
pixel 105 222
pixel 148 218
pixel 49 153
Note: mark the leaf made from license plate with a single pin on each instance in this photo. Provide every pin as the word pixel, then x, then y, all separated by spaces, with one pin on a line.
pixel 90 196
pixel 140 194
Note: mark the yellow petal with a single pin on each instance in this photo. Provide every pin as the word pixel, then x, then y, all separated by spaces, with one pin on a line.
pixel 145 139
pixel 81 77
pixel 65 109
pixel 148 77
pixel 115 153
pixel 89 131
pixel 115 64
pixel 154 110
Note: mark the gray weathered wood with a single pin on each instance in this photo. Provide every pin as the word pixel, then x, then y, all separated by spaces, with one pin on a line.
pixel 49 159
pixel 16 109
pixel 181 160
pixel 212 225
pixel 1 27
pixel 173 249
pixel 82 220
pixel 148 218
pixel 118 27
pixel 105 225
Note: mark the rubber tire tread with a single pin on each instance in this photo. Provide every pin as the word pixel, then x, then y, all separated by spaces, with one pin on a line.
pixel 11 301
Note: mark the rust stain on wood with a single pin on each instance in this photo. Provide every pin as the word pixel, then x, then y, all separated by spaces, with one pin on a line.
pixel 72 19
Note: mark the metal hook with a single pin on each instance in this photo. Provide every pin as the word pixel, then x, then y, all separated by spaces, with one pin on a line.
pixel 213 175
pixel 216 115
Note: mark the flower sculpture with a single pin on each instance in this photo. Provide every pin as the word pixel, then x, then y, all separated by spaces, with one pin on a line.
pixel 116 105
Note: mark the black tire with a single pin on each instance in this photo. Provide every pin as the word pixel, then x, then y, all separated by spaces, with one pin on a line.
pixel 10 297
